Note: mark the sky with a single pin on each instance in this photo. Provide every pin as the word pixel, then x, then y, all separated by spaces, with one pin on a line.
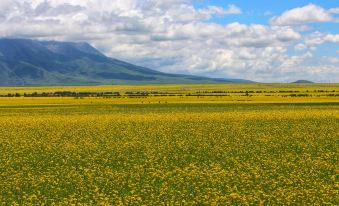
pixel 264 40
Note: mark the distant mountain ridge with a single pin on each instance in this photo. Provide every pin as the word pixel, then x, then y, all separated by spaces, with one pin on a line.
pixel 32 62
pixel 303 82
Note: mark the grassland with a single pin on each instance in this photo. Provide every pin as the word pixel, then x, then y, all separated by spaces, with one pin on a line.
pixel 243 148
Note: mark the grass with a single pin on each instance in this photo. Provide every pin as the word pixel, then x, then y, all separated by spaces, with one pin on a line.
pixel 188 151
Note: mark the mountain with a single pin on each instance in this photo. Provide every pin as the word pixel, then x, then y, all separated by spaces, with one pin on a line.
pixel 32 62
pixel 303 82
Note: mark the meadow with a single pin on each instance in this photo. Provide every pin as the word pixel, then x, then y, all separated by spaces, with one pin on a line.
pixel 247 144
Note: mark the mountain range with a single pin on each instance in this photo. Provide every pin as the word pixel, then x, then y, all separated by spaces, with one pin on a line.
pixel 32 62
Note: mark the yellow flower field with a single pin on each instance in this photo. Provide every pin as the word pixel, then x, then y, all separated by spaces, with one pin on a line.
pixel 179 151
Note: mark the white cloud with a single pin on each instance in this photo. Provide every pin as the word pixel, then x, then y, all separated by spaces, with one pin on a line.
pixel 287 34
pixel 174 36
pixel 307 14
pixel 219 11
pixel 268 13
pixel 334 10
pixel 300 47
pixel 318 38
pixel 332 60
pixel 332 38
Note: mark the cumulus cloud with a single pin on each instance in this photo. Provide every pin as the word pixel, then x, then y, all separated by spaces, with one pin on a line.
pixel 334 10
pixel 300 47
pixel 174 36
pixel 219 11
pixel 307 14
pixel 318 38
pixel 332 38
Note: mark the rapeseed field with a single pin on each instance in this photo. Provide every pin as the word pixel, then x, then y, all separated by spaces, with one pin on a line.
pixel 98 151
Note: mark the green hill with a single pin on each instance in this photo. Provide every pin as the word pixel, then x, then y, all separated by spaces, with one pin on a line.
pixel 303 82
pixel 31 62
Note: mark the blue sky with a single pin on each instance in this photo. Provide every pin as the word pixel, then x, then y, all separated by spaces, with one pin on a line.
pixel 261 11
pixel 257 12
pixel 260 40
pixel 254 11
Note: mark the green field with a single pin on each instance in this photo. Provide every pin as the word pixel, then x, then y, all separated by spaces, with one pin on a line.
pixel 171 150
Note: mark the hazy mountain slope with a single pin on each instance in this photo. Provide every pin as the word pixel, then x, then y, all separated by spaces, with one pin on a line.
pixel 303 82
pixel 31 62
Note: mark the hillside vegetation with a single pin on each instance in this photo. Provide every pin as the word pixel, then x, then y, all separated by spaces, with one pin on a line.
pixel 29 62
